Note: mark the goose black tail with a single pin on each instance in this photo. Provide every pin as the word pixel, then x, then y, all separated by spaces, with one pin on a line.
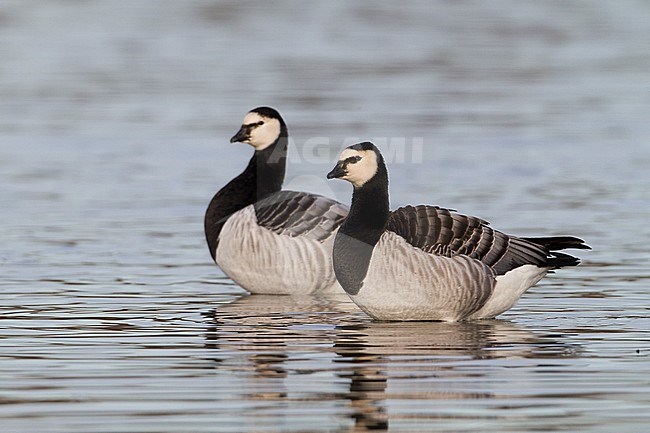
pixel 559 260
pixel 555 243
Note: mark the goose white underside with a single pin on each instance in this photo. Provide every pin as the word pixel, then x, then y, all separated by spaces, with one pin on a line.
pixel 264 262
pixel 508 289
pixel 405 283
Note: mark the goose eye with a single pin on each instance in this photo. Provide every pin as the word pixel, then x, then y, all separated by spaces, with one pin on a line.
pixel 353 159
pixel 260 123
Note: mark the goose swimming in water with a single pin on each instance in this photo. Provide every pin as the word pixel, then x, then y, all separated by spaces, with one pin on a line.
pixel 429 263
pixel 267 240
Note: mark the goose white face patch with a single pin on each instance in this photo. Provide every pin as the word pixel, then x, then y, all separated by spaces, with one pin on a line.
pixel 360 166
pixel 264 130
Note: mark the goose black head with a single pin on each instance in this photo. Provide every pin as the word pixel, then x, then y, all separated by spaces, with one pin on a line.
pixel 261 128
pixel 358 164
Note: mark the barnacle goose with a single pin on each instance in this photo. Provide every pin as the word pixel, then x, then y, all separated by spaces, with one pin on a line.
pixel 429 263
pixel 266 240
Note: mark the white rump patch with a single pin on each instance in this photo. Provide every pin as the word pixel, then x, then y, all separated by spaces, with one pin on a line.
pixel 509 289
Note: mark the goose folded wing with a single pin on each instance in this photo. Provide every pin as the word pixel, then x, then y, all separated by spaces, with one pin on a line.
pixel 443 232
pixel 294 213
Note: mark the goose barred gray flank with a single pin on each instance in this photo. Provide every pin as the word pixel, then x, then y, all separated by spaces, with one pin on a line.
pixel 267 240
pixel 429 263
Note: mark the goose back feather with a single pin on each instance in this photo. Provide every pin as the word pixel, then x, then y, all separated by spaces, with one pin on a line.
pixel 443 232
pixel 294 214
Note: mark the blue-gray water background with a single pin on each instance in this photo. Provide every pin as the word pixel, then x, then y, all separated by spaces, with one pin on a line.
pixel 114 126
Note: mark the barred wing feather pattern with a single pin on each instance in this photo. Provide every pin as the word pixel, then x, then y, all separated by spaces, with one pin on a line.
pixel 441 231
pixel 294 213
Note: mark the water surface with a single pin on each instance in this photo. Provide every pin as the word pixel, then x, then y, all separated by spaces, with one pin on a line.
pixel 114 126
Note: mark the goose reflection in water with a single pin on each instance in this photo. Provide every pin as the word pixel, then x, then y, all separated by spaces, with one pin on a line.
pixel 320 349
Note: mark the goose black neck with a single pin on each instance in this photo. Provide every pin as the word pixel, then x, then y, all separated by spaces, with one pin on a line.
pixel 360 232
pixel 262 177
pixel 268 167
pixel 369 210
